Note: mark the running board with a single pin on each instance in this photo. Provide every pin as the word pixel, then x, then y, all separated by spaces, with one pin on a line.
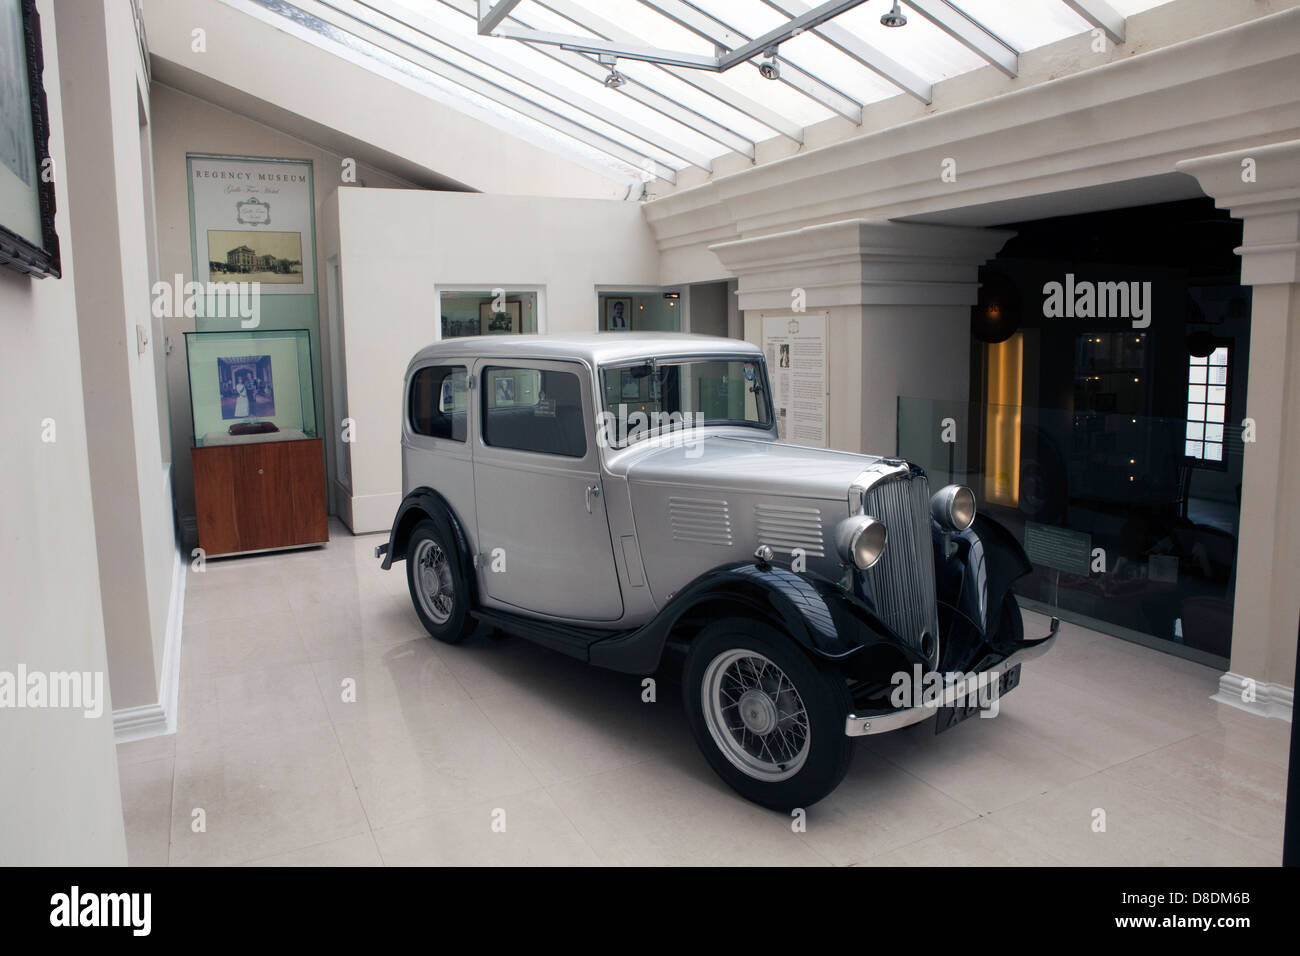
pixel 568 639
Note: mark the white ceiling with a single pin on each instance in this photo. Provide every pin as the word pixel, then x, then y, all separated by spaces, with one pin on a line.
pixel 666 118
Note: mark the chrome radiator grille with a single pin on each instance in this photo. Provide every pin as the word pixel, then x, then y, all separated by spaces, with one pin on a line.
pixel 902 582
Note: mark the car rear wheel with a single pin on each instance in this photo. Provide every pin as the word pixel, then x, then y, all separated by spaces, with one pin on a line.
pixel 769 719
pixel 438 589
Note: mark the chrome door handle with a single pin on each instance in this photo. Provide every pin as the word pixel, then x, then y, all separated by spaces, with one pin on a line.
pixel 593 491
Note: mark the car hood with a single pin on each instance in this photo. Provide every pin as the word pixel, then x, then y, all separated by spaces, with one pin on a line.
pixel 752 466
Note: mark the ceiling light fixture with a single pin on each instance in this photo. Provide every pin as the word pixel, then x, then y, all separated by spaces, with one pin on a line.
pixel 770 69
pixel 894 18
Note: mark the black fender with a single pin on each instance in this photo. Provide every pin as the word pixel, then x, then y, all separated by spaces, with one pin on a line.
pixel 425 503
pixel 974 570
pixel 818 614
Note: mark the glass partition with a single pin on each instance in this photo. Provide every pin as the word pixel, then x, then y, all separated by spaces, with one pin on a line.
pixel 1127 532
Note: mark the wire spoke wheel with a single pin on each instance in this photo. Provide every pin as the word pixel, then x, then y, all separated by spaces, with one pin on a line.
pixel 437 587
pixel 755 715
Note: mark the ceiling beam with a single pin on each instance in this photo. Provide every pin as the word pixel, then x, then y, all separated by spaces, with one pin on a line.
pixel 1100 14
pixel 797 25
pixel 486 53
pixel 725 37
pixel 970 33
pixel 647 96
pixel 432 62
pixel 850 44
pixel 490 15
pixel 701 81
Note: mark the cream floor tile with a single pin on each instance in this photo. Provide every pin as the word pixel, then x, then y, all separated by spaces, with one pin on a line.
pixel 216 599
pixel 977 843
pixel 877 808
pixel 401 683
pixel 241 644
pixel 984 764
pixel 256 703
pixel 151 748
pixel 565 729
pixel 263 796
pixel 665 813
pixel 526 829
pixel 1230 788
pixel 408 769
pixel 357 850
pixel 147 810
pixel 1096 733
pixel 1141 830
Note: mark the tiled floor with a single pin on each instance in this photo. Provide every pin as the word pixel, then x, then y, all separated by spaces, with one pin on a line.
pixel 496 751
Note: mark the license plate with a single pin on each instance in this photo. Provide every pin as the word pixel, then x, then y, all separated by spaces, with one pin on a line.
pixel 950 717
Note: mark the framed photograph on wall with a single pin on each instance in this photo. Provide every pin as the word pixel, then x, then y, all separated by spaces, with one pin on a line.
pixel 495 322
pixel 618 315
pixel 28 242
pixel 253 220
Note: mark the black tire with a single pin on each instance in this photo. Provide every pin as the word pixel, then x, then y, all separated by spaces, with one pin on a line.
pixel 811 773
pixel 448 620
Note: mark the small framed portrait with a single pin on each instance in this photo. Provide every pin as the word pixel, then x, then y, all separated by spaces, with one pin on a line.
pixel 246 385
pixel 28 242
pixel 505 390
pixel 498 322
pixel 618 315
pixel 631 385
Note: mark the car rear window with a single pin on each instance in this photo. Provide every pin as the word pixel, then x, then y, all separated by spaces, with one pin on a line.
pixel 438 402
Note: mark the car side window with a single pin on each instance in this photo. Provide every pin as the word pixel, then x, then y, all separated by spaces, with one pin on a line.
pixel 537 410
pixel 438 402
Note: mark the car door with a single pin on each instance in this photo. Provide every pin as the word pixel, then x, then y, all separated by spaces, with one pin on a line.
pixel 543 535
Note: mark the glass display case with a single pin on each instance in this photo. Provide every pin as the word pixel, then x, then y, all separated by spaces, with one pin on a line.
pixel 249 386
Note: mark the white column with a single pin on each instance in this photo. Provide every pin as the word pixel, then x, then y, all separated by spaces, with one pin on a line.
pixel 898 296
pixel 1262 188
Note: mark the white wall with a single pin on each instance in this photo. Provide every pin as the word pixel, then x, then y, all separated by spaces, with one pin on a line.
pixel 397 247
pixel 131 484
pixel 59 784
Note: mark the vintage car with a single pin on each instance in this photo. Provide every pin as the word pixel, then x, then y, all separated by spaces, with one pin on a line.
pixel 623 498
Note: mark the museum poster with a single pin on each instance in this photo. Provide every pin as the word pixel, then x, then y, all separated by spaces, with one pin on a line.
pixel 252 220
pixel 795 346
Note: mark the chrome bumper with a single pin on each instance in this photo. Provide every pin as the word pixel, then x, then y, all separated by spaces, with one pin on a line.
pixel 862 725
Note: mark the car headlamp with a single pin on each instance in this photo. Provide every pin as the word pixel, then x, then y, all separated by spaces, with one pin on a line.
pixel 953 506
pixel 860 540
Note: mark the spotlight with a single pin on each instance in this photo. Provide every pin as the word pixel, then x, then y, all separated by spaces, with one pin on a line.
pixel 894 18
pixel 770 69
pixel 615 79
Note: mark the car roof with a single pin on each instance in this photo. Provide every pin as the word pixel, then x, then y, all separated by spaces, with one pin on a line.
pixel 597 348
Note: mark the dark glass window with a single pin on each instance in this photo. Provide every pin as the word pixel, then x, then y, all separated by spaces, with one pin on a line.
pixel 535 410
pixel 438 403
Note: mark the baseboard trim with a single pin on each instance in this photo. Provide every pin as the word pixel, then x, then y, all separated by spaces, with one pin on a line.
pixel 154 720
pixel 1270 700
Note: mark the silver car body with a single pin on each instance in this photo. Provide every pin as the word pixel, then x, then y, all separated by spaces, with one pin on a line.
pixel 609 538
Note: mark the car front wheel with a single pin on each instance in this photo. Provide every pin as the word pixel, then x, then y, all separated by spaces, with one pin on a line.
pixel 769 719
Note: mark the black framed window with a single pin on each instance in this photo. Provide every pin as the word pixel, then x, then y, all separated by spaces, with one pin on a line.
pixel 438 402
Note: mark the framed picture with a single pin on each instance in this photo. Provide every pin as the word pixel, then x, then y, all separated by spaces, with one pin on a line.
pixel 246 386
pixel 252 219
pixel 28 242
pixel 493 322
pixel 618 315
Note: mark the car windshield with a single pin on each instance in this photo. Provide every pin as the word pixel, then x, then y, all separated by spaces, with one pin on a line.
pixel 646 396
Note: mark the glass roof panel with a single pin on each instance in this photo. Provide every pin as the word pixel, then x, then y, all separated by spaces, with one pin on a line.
pixel 663 112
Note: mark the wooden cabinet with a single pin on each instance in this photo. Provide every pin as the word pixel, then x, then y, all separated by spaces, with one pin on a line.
pixel 260 496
